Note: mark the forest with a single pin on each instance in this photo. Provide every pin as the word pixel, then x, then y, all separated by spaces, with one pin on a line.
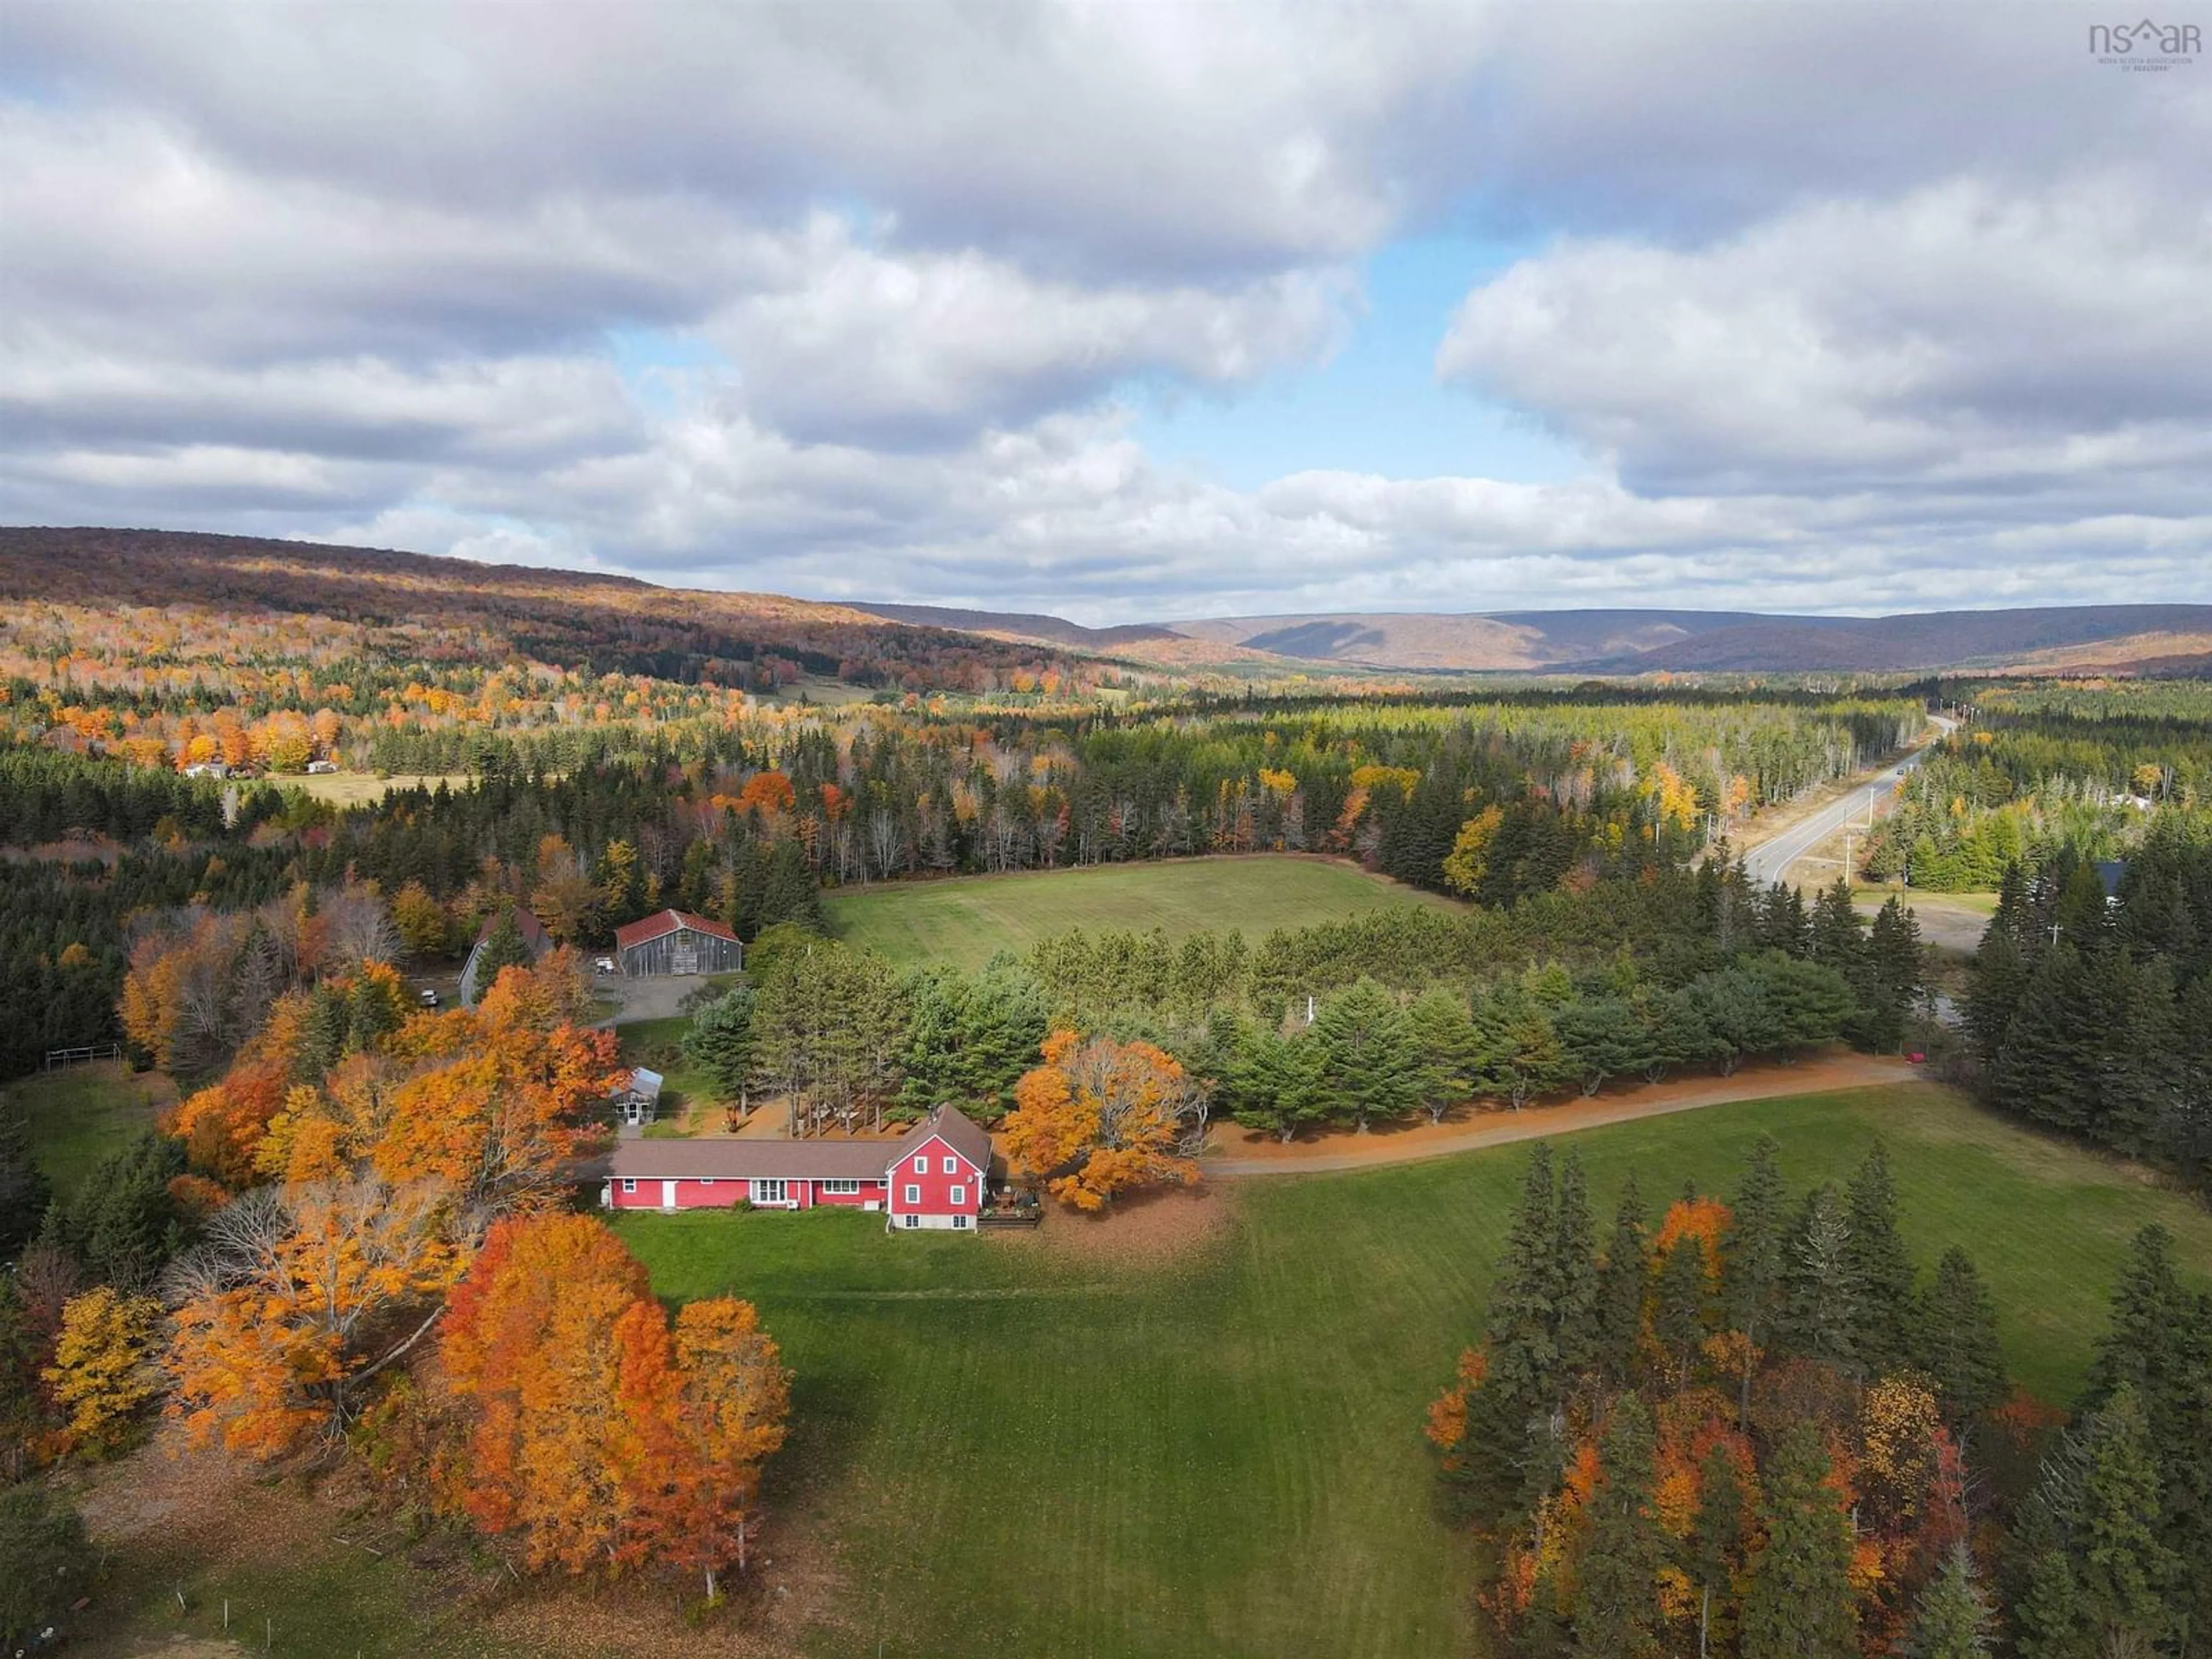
pixel 1751 1427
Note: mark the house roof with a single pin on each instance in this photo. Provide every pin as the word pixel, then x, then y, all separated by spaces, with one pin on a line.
pixel 532 931
pixel 728 1159
pixel 645 1082
pixel 667 922
pixel 959 1131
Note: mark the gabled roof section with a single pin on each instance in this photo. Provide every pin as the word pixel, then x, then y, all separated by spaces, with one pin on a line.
pixel 959 1131
pixel 667 922
pixel 532 931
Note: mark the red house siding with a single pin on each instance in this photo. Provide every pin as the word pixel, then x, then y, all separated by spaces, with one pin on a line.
pixel 932 1180
pixel 645 1193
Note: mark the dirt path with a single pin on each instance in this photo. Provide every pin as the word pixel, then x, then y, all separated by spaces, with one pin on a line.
pixel 1235 1152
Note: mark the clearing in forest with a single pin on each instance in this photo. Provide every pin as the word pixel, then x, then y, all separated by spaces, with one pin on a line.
pixel 965 920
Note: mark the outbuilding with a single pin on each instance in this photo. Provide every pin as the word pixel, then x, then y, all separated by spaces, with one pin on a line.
pixel 676 942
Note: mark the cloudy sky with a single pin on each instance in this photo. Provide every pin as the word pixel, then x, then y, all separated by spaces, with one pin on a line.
pixel 1127 310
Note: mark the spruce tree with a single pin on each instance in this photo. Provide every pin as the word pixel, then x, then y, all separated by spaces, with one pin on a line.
pixel 2122 1568
pixel 1621 1283
pixel 504 947
pixel 1822 1318
pixel 1717 1543
pixel 24 1193
pixel 1958 1338
pixel 1574 1268
pixel 1616 1608
pixel 2046 1071
pixel 121 1223
pixel 1755 1252
pixel 1511 1459
pixel 1885 1335
pixel 1951 1619
pixel 1800 1604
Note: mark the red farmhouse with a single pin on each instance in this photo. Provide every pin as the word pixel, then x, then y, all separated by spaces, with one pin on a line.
pixel 931 1177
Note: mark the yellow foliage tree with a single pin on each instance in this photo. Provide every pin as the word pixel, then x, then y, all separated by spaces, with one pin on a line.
pixel 100 1375
pixel 1469 858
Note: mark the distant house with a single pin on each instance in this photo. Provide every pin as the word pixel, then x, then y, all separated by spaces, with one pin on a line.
pixel 207 769
pixel 676 942
pixel 638 1102
pixel 932 1178
pixel 322 768
pixel 534 939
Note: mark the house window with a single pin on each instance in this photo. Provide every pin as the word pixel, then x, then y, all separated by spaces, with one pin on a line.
pixel 914 1221
pixel 959 1196
pixel 959 1221
pixel 922 1164
pixel 629 1186
pixel 952 1166
pixel 913 1194
pixel 845 1187
pixel 706 1181
pixel 770 1192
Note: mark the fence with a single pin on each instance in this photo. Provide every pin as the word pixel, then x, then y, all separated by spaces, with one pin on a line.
pixel 58 1058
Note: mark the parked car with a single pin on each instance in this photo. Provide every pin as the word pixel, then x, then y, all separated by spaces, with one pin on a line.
pixel 605 965
pixel 429 999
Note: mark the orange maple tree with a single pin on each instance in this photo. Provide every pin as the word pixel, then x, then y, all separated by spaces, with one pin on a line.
pixel 1099 1117
pixel 592 1434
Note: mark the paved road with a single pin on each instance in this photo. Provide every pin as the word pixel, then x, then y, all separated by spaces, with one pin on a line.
pixel 1767 861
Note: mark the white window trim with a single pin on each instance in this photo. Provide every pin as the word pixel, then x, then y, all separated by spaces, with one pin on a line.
pixel 913 1194
pixel 762 1186
pixel 844 1188
pixel 959 1196
pixel 921 1164
pixel 952 1166
pixel 629 1185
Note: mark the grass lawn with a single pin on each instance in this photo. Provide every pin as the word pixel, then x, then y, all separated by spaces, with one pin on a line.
pixel 358 788
pixel 1009 1450
pixel 965 920
pixel 76 1117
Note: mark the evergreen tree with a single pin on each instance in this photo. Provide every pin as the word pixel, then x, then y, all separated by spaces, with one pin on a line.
pixel 720 1041
pixel 1755 1258
pixel 1275 1083
pixel 23 1190
pixel 1800 1604
pixel 1616 1609
pixel 121 1223
pixel 1512 1458
pixel 1884 1337
pixel 1822 1318
pixel 504 947
pixel 1717 1546
pixel 1958 1338
pixel 1442 1033
pixel 1574 1295
pixel 1896 977
pixel 2121 1568
pixel 1621 1281
pixel 1951 1619
pixel 2045 1070
pixel 1368 1069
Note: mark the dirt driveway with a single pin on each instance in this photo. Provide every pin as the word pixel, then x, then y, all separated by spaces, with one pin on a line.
pixel 1234 1151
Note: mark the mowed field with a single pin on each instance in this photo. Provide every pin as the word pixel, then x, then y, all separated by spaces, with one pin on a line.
pixel 963 920
pixel 74 1118
pixel 1003 1447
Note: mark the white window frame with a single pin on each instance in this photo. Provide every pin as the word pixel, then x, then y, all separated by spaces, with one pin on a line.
pixel 630 1184
pixel 952 1166
pixel 960 1221
pixel 921 1164
pixel 706 1181
pixel 914 1221
pixel 913 1194
pixel 771 1189
pixel 844 1188
pixel 959 1197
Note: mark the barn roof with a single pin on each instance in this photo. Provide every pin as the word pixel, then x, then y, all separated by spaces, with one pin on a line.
pixel 667 922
